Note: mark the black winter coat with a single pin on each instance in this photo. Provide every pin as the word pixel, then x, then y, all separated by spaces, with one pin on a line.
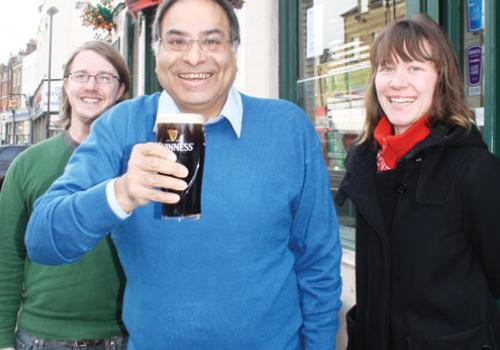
pixel 427 245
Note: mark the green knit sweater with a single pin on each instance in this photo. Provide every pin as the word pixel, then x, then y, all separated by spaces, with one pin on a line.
pixel 68 302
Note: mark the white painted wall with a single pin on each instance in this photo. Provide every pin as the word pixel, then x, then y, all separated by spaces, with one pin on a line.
pixel 30 73
pixel 140 62
pixel 258 55
pixel 67 34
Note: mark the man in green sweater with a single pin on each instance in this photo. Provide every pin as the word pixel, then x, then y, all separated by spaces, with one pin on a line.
pixel 71 306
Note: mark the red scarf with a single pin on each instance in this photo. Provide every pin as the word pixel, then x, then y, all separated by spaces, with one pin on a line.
pixel 393 147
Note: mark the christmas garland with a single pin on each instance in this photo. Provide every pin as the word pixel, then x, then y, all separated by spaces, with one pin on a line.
pixel 99 16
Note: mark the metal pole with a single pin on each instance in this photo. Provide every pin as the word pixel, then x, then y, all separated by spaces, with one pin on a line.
pixel 6 130
pixel 11 70
pixel 28 103
pixel 51 12
pixel 47 129
pixel 13 126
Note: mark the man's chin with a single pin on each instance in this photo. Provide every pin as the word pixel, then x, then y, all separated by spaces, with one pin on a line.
pixel 94 112
pixel 88 118
pixel 196 103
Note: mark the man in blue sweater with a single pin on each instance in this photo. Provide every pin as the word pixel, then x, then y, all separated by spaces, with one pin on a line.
pixel 260 268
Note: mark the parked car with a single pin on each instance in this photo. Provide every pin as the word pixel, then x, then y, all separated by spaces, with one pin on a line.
pixel 7 155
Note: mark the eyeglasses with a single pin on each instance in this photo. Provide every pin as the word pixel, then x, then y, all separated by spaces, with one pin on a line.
pixel 211 43
pixel 101 78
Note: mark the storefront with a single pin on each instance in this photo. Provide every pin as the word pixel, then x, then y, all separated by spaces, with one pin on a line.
pixel 17 126
pixel 44 119
pixel 324 67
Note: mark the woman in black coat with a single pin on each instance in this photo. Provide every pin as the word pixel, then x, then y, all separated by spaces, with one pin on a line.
pixel 427 197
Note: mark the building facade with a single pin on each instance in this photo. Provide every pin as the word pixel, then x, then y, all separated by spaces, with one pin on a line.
pixel 59 33
pixel 13 112
pixel 316 53
pixel 27 113
pixel 311 52
pixel 5 87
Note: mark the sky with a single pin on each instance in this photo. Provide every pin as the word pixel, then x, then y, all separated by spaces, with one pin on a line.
pixel 18 23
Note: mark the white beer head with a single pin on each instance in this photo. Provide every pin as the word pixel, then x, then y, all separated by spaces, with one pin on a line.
pixel 178 118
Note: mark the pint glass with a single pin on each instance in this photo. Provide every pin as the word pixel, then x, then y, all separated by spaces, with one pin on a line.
pixel 184 134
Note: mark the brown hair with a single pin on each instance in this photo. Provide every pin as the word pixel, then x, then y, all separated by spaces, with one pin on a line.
pixel 107 52
pixel 419 38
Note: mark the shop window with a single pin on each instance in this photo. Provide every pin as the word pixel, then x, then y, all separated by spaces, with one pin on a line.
pixel 334 45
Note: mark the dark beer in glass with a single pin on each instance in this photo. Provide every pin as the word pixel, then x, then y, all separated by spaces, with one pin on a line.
pixel 184 134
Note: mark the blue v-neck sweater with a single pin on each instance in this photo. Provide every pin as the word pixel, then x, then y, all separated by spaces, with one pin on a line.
pixel 259 270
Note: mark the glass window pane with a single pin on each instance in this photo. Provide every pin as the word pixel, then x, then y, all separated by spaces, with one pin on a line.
pixel 334 45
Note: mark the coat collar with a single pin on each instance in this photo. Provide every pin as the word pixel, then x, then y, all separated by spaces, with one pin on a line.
pixel 359 183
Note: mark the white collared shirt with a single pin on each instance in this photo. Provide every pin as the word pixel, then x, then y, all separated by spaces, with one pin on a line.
pixel 232 109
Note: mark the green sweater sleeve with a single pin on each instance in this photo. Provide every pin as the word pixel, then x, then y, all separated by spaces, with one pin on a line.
pixel 13 220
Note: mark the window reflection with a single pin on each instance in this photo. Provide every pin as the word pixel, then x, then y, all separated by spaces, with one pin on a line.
pixel 334 45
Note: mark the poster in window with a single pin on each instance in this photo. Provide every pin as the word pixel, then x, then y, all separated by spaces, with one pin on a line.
pixel 474 15
pixel 474 61
pixel 315 31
